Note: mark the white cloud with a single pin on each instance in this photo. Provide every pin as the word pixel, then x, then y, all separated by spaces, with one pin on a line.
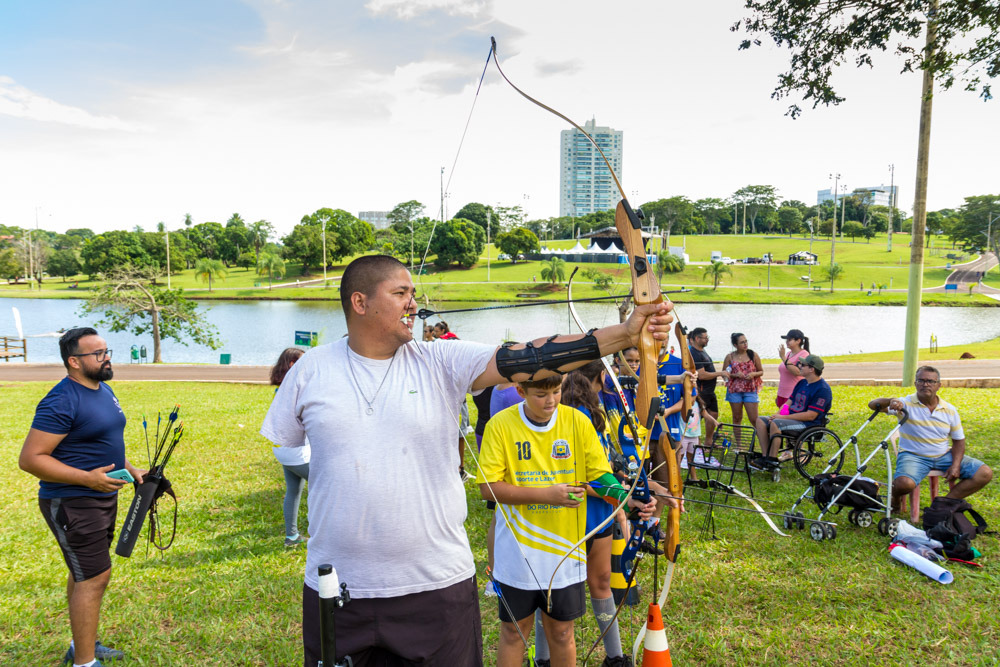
pixel 407 9
pixel 19 102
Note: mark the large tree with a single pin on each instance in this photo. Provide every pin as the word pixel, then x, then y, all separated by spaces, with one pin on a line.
pixel 259 234
pixel 64 263
pixel 113 250
pixel 978 216
pixel 960 45
pixel 458 240
pixel 672 214
pixel 755 201
pixel 345 234
pixel 481 214
pixel 517 241
pixel 130 302
pixel 403 214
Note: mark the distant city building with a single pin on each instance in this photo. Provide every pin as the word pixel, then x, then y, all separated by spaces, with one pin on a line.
pixel 881 194
pixel 585 185
pixel 377 219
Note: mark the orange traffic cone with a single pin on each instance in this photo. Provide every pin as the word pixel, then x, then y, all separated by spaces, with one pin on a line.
pixel 655 652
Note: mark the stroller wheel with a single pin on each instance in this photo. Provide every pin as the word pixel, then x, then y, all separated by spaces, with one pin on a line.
pixel 831 531
pixel 801 519
pixel 863 518
pixel 892 527
pixel 882 526
pixel 853 517
pixel 817 532
pixel 788 520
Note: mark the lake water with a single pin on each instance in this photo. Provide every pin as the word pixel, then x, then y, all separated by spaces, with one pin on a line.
pixel 255 332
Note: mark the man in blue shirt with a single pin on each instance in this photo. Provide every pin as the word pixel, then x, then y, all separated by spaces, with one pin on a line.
pixel 76 438
pixel 810 401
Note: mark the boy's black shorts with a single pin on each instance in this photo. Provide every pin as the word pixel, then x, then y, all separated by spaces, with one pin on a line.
pixel 568 603
pixel 84 526
pixel 711 401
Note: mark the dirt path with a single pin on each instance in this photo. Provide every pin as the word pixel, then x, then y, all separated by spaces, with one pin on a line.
pixel 957 373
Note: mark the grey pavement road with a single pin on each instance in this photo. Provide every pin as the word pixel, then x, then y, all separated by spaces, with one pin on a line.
pixel 955 373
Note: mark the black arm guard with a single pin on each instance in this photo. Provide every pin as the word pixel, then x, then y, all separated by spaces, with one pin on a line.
pixel 551 356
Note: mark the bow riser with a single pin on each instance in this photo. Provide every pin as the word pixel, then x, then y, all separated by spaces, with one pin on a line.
pixel 645 290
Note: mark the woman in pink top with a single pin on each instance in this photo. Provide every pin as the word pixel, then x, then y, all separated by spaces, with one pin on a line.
pixel 788 373
pixel 745 379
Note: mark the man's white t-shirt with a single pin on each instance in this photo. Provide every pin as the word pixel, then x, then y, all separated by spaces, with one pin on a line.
pixel 386 503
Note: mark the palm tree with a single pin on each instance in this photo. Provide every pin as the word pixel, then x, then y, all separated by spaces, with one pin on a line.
pixel 667 263
pixel 270 264
pixel 833 272
pixel 554 270
pixel 206 269
pixel 715 270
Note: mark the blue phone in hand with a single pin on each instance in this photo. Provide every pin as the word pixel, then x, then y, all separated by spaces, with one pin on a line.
pixel 122 474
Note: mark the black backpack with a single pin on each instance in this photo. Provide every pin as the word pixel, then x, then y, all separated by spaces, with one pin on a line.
pixel 862 494
pixel 946 521
pixel 952 513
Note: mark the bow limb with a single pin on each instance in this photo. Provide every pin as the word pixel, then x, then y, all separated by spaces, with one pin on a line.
pixel 687 361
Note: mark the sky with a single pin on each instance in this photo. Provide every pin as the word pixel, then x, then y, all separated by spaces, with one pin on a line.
pixel 115 114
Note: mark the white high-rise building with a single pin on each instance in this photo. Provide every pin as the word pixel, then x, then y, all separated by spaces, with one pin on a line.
pixel 881 194
pixel 377 219
pixel 585 185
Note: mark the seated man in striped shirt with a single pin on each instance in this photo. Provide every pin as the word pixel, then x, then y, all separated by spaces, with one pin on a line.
pixel 923 441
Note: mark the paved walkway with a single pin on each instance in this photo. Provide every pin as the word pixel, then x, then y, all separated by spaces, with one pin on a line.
pixel 957 373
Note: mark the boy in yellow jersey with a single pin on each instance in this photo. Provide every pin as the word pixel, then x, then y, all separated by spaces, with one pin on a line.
pixel 537 458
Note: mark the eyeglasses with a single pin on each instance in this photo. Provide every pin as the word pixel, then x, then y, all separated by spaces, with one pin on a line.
pixel 99 355
pixel 926 383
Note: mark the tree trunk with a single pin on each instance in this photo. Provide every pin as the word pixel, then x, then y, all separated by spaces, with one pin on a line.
pixel 157 357
pixel 914 289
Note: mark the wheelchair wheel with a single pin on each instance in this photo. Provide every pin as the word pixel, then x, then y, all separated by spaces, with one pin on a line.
pixel 814 449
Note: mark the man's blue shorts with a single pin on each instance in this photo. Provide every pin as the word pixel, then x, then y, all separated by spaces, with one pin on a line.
pixel 917 467
pixel 742 397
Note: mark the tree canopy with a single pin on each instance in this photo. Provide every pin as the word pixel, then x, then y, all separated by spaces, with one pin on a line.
pixel 823 36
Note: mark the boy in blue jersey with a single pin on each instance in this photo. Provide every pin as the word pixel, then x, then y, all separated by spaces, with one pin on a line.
pixel 76 438
pixel 536 460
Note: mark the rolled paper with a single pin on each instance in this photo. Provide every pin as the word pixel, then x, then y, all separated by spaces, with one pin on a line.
pixel 921 564
pixel 329 582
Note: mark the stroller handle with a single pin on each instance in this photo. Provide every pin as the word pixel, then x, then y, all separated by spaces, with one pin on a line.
pixel 906 416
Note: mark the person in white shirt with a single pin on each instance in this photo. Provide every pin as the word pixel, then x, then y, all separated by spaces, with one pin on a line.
pixel 924 441
pixel 386 508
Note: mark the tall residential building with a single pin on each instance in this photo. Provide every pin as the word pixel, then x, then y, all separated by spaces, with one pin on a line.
pixel 585 185
pixel 881 194
pixel 377 219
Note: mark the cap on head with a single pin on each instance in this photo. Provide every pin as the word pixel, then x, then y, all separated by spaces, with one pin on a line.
pixel 794 333
pixel 814 361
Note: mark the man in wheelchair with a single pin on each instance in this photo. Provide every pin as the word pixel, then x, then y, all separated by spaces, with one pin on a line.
pixel 810 402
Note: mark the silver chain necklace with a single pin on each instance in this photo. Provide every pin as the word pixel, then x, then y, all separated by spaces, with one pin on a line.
pixel 350 363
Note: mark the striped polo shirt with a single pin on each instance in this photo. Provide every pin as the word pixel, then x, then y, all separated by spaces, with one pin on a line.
pixel 929 433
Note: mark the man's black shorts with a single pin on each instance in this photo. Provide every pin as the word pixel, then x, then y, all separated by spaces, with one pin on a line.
pixel 711 402
pixel 84 526
pixel 439 627
pixel 568 603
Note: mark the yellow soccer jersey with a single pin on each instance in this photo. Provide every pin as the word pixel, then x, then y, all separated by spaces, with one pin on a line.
pixel 564 451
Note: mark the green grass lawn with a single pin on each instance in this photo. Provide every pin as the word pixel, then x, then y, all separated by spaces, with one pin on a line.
pixel 228 591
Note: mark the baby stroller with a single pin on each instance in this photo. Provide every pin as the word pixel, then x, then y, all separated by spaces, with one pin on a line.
pixel 832 491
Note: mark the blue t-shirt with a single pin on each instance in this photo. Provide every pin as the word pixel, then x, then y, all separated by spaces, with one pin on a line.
pixel 816 396
pixel 94 425
pixel 598 509
pixel 670 394
pixel 501 399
